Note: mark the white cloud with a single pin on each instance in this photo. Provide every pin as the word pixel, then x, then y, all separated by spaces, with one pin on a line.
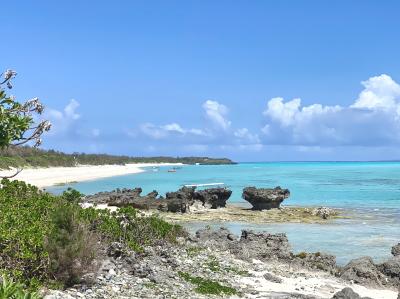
pixel 380 92
pixel 283 112
pixel 373 119
pixel 217 113
pixel 291 112
pixel 65 119
pixel 153 131
pixel 160 132
pixel 70 110
pixel 174 127
pixel 246 135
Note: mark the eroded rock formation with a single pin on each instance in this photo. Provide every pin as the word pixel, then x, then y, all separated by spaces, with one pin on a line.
pixel 182 201
pixel 265 198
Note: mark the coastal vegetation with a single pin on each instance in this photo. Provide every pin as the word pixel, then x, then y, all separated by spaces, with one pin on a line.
pixel 51 240
pixel 25 156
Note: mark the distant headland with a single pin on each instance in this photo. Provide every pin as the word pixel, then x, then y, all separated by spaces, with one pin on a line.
pixel 32 157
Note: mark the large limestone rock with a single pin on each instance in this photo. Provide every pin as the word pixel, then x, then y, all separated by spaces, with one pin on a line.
pixel 265 198
pixel 318 261
pixel 214 197
pixel 263 246
pixel 251 245
pixel 181 200
pixel 363 271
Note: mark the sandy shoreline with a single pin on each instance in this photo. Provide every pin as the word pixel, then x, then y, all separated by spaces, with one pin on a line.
pixel 45 177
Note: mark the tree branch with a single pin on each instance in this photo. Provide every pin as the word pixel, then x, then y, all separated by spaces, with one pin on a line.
pixel 13 175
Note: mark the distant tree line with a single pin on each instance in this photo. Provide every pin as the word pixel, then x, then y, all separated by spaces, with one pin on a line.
pixel 21 156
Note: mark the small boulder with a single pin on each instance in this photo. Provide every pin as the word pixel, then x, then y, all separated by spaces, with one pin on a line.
pixel 396 250
pixel 323 212
pixel 348 293
pixel 272 278
pixel 265 198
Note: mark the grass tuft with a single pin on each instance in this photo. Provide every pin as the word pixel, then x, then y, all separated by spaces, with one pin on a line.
pixel 207 286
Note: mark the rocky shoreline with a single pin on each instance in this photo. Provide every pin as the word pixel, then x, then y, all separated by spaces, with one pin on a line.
pixel 216 263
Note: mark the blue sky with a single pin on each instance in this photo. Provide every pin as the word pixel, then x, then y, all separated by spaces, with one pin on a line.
pixel 218 78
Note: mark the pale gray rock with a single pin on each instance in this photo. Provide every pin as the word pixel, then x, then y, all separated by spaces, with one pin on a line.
pixel 272 278
pixel 348 293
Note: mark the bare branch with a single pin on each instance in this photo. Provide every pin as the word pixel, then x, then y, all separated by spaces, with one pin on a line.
pixel 13 175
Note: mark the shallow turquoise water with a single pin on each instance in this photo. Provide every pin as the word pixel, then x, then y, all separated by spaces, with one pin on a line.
pixel 370 190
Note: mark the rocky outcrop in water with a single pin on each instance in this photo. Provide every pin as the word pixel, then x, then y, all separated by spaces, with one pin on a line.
pixel 265 198
pixel 213 198
pixel 184 200
pixel 181 200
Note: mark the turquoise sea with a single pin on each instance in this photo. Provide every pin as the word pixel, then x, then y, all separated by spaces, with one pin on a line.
pixel 368 191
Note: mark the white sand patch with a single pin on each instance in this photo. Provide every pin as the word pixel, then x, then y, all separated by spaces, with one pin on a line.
pixel 43 177
pixel 319 284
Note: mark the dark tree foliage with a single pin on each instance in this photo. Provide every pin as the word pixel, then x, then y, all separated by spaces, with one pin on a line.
pixel 30 156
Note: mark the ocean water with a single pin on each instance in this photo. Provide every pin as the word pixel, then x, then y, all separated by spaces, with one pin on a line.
pixel 368 191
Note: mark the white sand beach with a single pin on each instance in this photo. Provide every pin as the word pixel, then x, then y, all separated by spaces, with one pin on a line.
pixel 44 177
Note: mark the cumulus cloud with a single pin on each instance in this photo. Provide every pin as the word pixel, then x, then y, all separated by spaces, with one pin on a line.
pixel 380 92
pixel 164 131
pixel 245 135
pixel 64 119
pixel 69 131
pixel 217 113
pixel 373 119
pixel 216 131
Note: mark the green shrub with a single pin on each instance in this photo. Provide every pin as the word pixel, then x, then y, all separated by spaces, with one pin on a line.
pixel 13 290
pixel 24 223
pixel 70 245
pixel 127 226
pixel 40 235
pixel 45 237
pixel 72 195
